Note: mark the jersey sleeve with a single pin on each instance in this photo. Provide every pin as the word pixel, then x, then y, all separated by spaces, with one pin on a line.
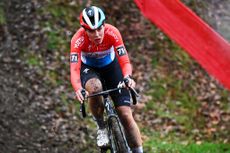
pixel 77 43
pixel 121 53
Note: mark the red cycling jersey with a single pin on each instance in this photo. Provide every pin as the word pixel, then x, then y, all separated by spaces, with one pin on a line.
pixel 98 56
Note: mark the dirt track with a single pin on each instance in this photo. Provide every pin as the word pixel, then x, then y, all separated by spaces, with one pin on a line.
pixel 28 122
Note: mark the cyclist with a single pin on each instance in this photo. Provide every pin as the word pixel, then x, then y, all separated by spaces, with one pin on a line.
pixel 98 53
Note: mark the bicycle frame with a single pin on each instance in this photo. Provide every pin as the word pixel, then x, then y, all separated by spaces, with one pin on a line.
pixel 111 115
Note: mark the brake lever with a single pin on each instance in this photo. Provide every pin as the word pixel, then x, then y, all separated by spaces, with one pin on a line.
pixel 82 107
pixel 133 92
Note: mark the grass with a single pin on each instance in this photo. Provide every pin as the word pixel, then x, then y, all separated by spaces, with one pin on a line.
pixel 63 18
pixel 164 147
pixel 2 14
pixel 172 143
pixel 53 40
pixel 33 61
pixel 173 99
pixel 225 97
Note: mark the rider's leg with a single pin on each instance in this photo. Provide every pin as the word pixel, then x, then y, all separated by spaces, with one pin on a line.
pixel 112 75
pixel 94 85
pixel 96 107
pixel 90 80
pixel 131 129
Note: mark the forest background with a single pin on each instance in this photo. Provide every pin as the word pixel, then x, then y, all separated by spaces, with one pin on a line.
pixel 182 109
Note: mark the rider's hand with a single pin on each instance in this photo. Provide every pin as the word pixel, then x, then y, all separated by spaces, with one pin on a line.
pixel 79 95
pixel 129 82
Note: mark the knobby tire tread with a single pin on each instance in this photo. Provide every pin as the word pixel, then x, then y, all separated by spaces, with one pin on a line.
pixel 119 140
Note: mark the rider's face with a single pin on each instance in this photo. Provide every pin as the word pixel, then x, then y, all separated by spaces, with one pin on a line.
pixel 96 36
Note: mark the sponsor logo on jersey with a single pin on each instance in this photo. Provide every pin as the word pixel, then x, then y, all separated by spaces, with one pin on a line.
pixel 89 47
pixel 121 50
pixel 74 58
pixel 86 70
pixel 79 42
pixel 111 33
pixel 98 54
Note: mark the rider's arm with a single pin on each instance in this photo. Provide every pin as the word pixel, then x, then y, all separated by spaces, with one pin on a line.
pixel 122 54
pixel 75 60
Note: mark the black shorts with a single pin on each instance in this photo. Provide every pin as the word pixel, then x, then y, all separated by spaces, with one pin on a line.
pixel 110 76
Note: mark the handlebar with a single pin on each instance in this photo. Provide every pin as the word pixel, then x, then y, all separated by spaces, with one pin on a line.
pixel 133 92
pixel 105 92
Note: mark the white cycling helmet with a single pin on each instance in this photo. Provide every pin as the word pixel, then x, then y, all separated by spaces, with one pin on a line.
pixel 92 18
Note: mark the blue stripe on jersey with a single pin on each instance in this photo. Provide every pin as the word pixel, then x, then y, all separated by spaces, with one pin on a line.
pixel 100 62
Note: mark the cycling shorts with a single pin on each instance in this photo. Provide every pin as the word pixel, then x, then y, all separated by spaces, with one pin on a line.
pixel 110 77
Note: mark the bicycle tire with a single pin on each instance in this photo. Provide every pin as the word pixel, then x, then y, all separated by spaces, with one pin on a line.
pixel 118 138
pixel 103 150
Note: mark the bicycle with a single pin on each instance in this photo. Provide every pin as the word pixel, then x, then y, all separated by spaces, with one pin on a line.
pixel 118 142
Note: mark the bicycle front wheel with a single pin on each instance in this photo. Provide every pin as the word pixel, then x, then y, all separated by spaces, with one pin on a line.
pixel 118 140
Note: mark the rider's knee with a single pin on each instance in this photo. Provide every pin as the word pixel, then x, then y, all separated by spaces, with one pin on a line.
pixel 125 115
pixel 93 85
